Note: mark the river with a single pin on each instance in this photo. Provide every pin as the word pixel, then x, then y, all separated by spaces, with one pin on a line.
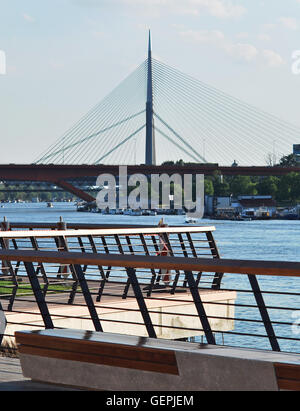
pixel 257 240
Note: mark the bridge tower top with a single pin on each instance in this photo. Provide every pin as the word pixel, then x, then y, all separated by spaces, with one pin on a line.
pixel 150 136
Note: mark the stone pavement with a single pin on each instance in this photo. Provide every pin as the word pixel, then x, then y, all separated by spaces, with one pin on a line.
pixel 12 379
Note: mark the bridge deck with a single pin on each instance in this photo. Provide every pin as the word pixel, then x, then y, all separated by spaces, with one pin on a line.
pixel 57 174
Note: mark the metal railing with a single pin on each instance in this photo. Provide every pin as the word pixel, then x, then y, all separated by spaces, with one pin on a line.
pixel 111 239
pixel 256 302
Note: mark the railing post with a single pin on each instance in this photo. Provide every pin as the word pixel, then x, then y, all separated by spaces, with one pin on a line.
pixel 144 244
pixel 175 281
pixel 94 249
pixel 39 296
pixel 41 266
pixel 5 226
pixel 126 288
pixel 264 312
pixel 215 253
pixel 82 250
pixel 17 266
pixel 141 302
pixel 185 253
pixel 157 250
pixel 200 308
pixel 7 267
pixel 106 276
pixel 100 268
pixel 62 243
pixel 106 252
pixel 88 298
pixel 194 253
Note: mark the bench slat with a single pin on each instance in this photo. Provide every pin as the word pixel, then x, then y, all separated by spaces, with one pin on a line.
pixel 288 376
pixel 116 355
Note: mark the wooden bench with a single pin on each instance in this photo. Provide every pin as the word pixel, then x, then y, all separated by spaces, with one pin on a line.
pixel 97 348
pixel 105 361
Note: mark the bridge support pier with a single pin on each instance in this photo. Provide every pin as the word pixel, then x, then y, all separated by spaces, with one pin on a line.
pixel 74 190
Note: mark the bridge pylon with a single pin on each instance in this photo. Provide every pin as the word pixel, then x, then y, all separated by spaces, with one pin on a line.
pixel 150 158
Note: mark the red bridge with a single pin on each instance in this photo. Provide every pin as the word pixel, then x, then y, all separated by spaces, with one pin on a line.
pixel 60 175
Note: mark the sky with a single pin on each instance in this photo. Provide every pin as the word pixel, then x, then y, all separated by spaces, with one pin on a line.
pixel 64 56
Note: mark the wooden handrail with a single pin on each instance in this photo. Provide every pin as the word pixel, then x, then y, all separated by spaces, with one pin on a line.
pixel 76 226
pixel 102 232
pixel 270 268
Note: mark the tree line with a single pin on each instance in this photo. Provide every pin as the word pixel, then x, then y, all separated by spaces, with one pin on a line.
pixel 284 189
pixel 21 192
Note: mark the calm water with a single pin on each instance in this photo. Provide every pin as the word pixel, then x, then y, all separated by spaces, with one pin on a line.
pixel 258 240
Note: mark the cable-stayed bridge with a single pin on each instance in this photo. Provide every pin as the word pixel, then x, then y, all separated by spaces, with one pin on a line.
pixel 160 114
pixel 158 107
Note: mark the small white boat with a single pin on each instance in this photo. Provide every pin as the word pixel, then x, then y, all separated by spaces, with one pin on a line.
pixel 191 220
pixel 50 205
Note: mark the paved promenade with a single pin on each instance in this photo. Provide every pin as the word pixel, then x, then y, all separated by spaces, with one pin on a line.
pixel 11 378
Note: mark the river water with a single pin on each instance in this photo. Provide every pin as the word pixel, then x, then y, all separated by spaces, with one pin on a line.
pixel 257 240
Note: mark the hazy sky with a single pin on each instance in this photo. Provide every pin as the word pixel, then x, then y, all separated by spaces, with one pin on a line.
pixel 64 56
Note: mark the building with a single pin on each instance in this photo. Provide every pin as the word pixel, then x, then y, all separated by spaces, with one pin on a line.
pixel 296 152
pixel 257 207
pixel 213 203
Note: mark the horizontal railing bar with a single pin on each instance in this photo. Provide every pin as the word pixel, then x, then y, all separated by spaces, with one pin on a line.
pixel 183 300
pixel 208 302
pixel 163 299
pixel 270 268
pixel 249 291
pixel 257 335
pixel 151 311
pixel 144 277
pixel 58 316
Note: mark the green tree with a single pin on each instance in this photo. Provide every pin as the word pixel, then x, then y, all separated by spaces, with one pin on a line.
pixel 295 186
pixel 284 187
pixel 208 187
pixel 242 185
pixel 221 187
pixel 288 161
pixel 268 186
